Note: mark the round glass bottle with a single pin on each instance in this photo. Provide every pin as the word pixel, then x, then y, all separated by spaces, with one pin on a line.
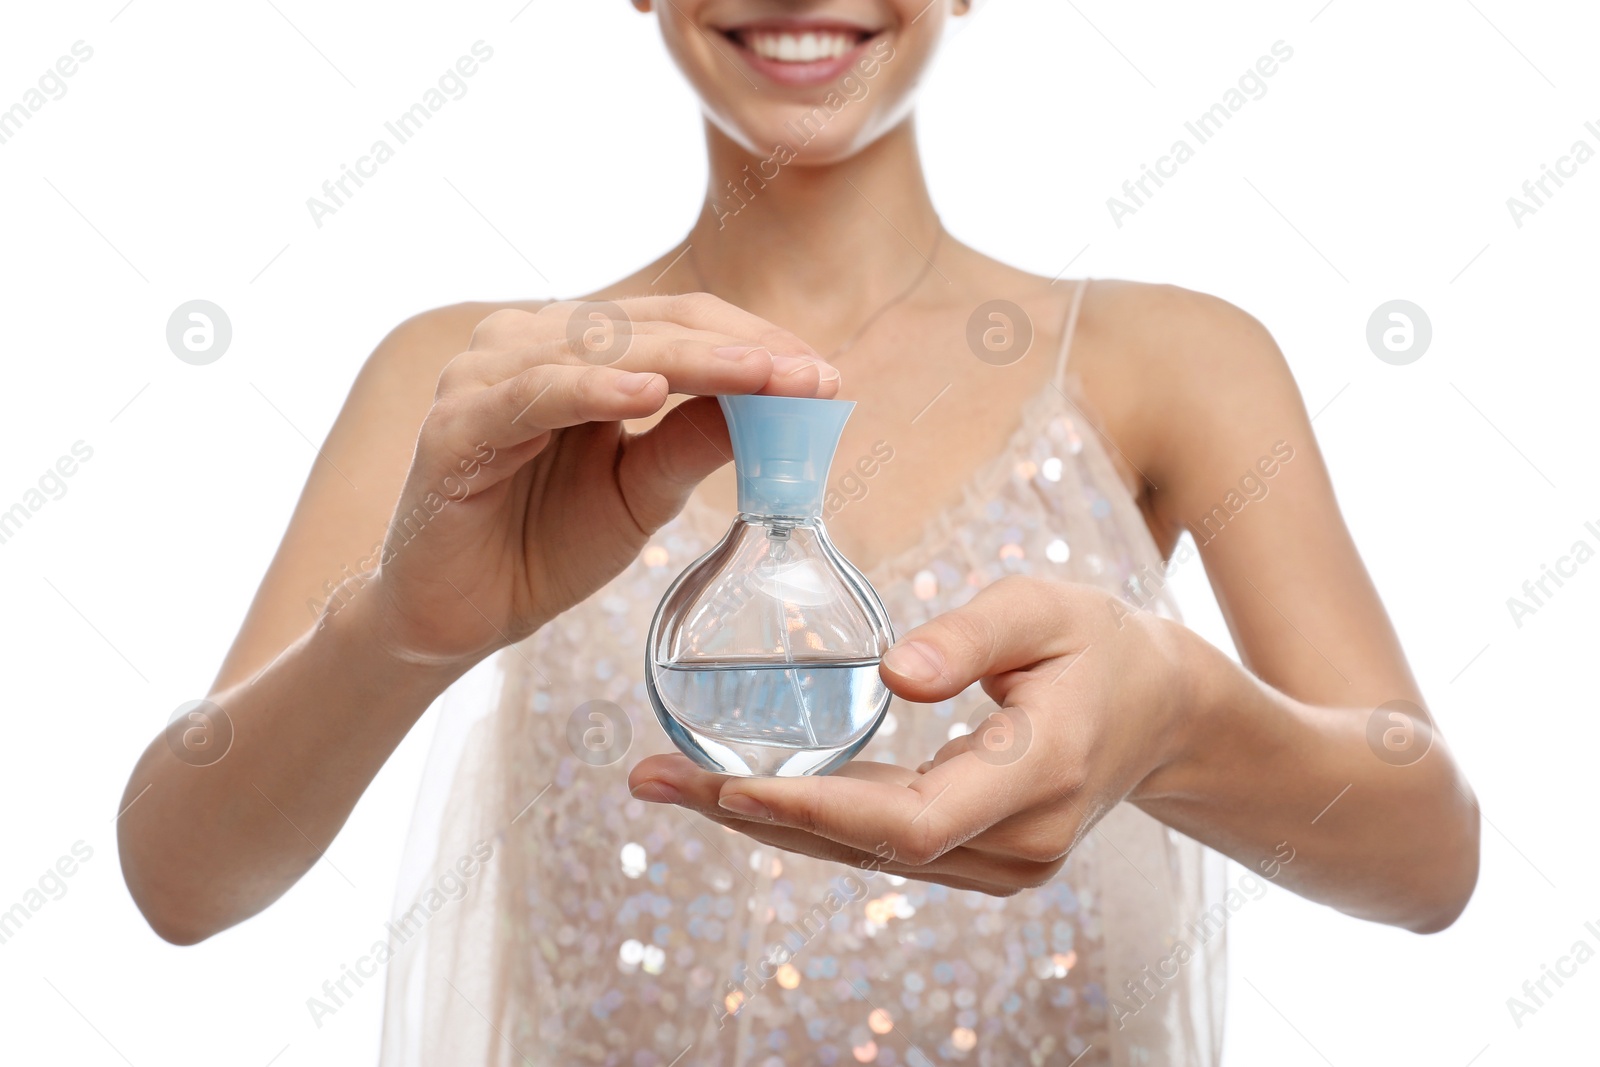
pixel 762 659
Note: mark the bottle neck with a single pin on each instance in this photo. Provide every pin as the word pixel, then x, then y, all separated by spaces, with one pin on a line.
pixel 812 521
pixel 768 502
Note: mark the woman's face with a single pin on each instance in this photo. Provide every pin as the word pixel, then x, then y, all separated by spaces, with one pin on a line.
pixel 806 81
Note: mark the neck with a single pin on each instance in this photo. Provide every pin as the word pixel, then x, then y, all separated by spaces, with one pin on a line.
pixel 814 247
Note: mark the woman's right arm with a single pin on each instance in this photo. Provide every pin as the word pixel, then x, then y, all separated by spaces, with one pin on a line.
pixel 457 505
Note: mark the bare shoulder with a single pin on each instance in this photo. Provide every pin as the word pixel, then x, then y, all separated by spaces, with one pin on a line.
pixel 1193 346
pixel 1189 385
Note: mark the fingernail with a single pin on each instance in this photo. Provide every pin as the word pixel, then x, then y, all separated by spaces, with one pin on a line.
pixel 634 382
pixel 915 660
pixel 657 793
pixel 792 364
pixel 734 351
pixel 826 371
pixel 746 805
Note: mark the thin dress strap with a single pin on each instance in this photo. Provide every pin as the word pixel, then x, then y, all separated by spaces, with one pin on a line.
pixel 1067 332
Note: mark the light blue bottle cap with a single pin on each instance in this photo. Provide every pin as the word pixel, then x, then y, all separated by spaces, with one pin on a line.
pixel 782 449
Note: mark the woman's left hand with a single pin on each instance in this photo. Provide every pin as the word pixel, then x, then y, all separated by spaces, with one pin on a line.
pixel 1092 696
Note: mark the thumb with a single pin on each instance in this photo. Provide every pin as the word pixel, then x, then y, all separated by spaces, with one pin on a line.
pixel 659 468
pixel 1011 624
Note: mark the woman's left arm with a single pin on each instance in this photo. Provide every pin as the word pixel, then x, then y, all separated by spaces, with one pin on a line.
pixel 1320 744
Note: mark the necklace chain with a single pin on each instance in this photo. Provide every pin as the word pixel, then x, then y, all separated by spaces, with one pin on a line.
pixel 873 316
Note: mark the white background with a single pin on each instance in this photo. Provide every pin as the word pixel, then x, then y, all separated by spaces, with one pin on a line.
pixel 1378 165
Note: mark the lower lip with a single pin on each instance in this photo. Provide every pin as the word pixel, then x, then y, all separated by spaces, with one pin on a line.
pixel 817 72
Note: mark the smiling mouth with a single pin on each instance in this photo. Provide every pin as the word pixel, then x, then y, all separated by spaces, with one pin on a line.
pixel 799 53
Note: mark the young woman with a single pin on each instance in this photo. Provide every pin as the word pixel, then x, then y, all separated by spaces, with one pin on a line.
pixel 1014 476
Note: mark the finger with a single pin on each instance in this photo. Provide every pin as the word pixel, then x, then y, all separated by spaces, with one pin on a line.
pixel 788 363
pixel 702 311
pixel 541 399
pixel 676 779
pixel 919 817
pixel 487 435
pixel 978 864
pixel 1026 833
pixel 701 365
pixel 947 752
pixel 1008 625
pixel 962 868
pixel 693 361
pixel 1013 848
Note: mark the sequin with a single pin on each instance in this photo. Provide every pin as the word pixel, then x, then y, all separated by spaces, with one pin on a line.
pixel 633 859
pixel 1057 551
pixel 925 585
pixel 654 556
pixel 963 1039
pixel 1051 469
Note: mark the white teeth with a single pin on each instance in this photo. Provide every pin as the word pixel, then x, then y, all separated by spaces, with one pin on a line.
pixel 799 48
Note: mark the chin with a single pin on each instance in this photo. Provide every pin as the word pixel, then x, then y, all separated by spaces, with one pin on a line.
pixel 800 136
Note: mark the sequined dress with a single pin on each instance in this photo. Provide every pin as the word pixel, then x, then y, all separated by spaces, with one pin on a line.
pixel 603 930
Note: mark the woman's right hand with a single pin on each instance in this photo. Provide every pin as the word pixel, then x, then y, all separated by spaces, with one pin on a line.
pixel 526 493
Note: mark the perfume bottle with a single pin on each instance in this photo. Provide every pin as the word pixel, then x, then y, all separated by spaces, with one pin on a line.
pixel 762 659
